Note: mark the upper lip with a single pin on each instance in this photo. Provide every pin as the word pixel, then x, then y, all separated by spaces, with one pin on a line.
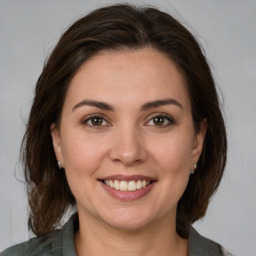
pixel 127 177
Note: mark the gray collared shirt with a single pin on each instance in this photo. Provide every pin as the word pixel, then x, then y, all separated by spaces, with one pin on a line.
pixel 61 243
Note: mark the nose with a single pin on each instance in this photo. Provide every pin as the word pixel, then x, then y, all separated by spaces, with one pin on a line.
pixel 128 147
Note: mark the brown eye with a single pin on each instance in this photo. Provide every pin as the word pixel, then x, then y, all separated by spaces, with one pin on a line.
pixel 159 120
pixel 95 121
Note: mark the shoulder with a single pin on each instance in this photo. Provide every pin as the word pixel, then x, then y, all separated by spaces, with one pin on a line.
pixel 58 242
pixel 199 245
pixel 43 245
pixel 16 250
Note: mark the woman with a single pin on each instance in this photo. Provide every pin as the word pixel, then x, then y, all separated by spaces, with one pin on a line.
pixel 126 126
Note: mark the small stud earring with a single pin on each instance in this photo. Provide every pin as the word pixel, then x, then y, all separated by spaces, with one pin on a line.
pixel 59 165
pixel 194 166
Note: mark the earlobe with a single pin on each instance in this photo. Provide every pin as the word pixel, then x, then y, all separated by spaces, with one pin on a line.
pixel 56 142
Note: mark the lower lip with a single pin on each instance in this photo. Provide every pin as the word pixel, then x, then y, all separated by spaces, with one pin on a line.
pixel 128 195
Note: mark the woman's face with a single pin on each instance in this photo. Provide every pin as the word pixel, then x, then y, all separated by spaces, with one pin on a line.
pixel 126 138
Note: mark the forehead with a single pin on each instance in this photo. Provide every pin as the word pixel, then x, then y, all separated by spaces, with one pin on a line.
pixel 144 74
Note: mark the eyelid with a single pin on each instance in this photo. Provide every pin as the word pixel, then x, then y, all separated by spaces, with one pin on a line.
pixel 95 115
pixel 168 117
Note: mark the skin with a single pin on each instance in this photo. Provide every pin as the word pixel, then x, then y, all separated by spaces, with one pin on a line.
pixel 129 140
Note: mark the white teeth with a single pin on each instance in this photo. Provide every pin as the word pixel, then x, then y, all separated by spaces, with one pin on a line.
pixel 116 185
pixel 139 184
pixel 111 183
pixel 124 185
pixel 132 185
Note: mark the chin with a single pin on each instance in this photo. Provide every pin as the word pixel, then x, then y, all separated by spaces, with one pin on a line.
pixel 128 225
pixel 129 220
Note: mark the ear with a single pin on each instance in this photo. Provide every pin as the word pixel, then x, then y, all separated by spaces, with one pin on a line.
pixel 199 141
pixel 55 133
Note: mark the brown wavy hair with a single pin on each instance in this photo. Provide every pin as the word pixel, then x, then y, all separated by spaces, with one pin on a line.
pixel 118 27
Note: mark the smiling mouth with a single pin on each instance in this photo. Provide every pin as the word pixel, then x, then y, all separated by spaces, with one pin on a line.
pixel 123 185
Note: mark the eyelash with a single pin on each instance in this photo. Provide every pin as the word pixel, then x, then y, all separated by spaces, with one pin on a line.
pixel 170 121
pixel 85 122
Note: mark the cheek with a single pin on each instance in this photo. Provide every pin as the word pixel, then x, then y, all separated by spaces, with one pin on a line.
pixel 172 160
pixel 82 155
pixel 82 158
pixel 173 154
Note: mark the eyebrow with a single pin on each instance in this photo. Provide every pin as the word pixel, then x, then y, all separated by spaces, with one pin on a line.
pixel 108 107
pixel 159 103
pixel 93 103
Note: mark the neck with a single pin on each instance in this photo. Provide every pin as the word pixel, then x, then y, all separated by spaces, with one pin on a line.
pixel 160 238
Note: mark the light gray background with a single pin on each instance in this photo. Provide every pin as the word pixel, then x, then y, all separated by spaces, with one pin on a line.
pixel 226 29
